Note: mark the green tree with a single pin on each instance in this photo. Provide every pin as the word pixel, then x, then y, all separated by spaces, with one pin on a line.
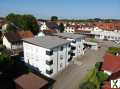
pixel 61 27
pixel 54 18
pixel 101 76
pixel 4 59
pixel 23 22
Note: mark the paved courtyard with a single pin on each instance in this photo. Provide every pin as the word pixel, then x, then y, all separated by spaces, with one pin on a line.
pixel 72 76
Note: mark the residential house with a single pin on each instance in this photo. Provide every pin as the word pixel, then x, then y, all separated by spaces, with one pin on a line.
pixel 32 81
pixel 111 64
pixel 13 40
pixel 48 54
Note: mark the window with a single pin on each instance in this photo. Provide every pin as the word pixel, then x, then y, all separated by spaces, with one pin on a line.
pixel 61 65
pixel 61 57
pixel 69 45
pixel 49 71
pixel 49 52
pixel 72 54
pixel 49 62
pixel 61 48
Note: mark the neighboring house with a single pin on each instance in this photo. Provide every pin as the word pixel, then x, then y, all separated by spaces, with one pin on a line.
pixel 52 25
pixel 46 32
pixel 43 26
pixel 32 81
pixel 77 42
pixel 107 84
pixel 13 40
pixel 111 64
pixel 48 54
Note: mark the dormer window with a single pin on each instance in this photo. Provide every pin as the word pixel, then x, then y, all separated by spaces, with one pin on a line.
pixel 49 52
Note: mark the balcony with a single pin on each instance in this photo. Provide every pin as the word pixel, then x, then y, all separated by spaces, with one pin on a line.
pixel 49 71
pixel 50 53
pixel 72 54
pixel 74 41
pixel 73 48
pixel 49 62
pixel 70 59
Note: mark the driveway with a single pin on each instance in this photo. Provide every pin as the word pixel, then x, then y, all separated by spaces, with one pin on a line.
pixel 72 76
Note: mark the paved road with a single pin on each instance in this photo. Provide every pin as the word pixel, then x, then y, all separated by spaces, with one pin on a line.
pixel 71 77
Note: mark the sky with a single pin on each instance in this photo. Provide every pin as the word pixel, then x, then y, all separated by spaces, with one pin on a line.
pixel 65 9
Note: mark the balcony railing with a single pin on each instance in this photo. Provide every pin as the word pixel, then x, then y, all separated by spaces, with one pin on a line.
pixel 70 59
pixel 49 62
pixel 73 48
pixel 49 53
pixel 49 71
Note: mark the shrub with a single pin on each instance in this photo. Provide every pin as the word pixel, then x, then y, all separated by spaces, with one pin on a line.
pixel 88 85
pixel 113 50
pixel 101 76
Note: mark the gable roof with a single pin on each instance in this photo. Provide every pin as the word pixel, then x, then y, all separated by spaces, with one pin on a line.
pixel 14 37
pixel 52 25
pixel 111 63
pixel 25 34
pixel 31 81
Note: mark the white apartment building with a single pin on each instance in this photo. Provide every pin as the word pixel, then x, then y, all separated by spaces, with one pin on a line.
pixel 107 35
pixel 49 54
pixel 77 42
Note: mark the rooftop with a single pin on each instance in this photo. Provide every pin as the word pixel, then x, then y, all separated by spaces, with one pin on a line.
pixel 31 81
pixel 49 42
pixel 111 63
pixel 70 35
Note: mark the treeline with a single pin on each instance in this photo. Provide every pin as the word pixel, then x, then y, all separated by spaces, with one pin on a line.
pixel 22 22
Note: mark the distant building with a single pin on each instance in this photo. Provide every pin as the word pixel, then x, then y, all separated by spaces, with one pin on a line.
pixel 32 81
pixel 48 54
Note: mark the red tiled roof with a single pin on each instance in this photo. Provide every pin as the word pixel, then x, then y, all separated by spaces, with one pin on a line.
pixel 108 26
pixel 111 63
pixel 25 34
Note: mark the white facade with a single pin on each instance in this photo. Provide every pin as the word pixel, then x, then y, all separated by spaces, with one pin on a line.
pixel 107 35
pixel 9 45
pixel 43 26
pixel 37 56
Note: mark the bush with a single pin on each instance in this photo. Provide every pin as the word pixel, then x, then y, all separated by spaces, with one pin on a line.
pixel 97 65
pixel 88 85
pixel 113 50
pixel 101 76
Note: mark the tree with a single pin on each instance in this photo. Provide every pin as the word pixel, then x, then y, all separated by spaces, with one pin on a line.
pixel 61 27
pixel 54 18
pixel 101 76
pixel 23 22
pixel 88 85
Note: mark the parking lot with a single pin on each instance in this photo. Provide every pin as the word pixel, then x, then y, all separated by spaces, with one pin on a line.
pixel 72 76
